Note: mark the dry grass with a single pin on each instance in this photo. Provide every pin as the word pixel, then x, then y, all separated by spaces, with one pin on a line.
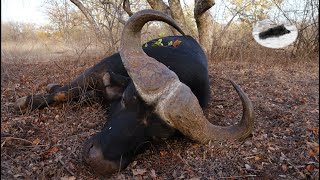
pixel 45 51
pixel 46 144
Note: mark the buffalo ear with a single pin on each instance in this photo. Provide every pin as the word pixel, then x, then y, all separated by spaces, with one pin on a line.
pixel 118 83
pixel 119 80
pixel 114 92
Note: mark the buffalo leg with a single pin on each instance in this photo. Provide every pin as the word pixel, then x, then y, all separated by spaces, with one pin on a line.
pixel 105 86
pixel 60 94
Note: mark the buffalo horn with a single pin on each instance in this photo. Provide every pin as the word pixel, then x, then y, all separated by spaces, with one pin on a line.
pixel 160 87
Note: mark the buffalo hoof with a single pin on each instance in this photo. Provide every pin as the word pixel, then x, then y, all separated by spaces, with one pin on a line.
pixel 51 88
pixel 93 156
pixel 21 105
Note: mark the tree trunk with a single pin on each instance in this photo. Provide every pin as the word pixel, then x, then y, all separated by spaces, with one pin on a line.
pixel 177 14
pixel 100 35
pixel 161 6
pixel 204 22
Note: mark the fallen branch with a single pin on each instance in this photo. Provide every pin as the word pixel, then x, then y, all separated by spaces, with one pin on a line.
pixel 13 138
pixel 65 167
pixel 232 177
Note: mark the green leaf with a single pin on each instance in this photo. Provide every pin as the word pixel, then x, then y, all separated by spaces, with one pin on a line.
pixel 158 43
pixel 170 43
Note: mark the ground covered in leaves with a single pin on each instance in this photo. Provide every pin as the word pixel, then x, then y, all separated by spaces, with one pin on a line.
pixel 46 144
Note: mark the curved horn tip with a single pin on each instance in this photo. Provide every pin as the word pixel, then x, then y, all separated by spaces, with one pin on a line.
pixel 247 120
pixel 168 19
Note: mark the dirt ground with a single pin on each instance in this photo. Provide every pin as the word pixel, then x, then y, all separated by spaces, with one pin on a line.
pixel 46 144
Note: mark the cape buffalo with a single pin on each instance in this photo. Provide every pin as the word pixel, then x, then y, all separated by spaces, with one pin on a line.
pixel 155 91
pixel 158 98
pixel 274 32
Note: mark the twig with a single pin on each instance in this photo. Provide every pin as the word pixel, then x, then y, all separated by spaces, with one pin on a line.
pixel 120 164
pixel 218 114
pixel 126 7
pixel 230 177
pixel 14 138
pixel 184 161
pixel 39 145
pixel 60 67
pixel 65 167
pixel 294 167
pixel 82 134
pixel 283 13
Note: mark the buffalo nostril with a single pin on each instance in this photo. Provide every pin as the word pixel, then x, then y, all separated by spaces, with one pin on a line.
pixel 95 152
pixel 93 156
pixel 92 151
pixel 88 145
